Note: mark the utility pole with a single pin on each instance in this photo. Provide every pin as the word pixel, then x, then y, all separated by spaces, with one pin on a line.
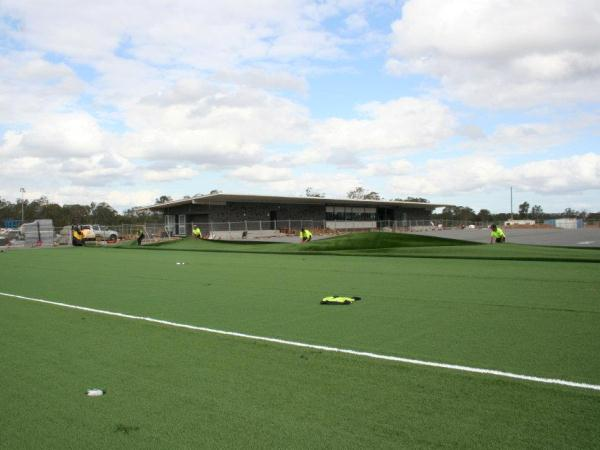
pixel 511 204
pixel 22 190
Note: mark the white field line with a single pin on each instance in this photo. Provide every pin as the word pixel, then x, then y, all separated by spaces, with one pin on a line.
pixel 417 362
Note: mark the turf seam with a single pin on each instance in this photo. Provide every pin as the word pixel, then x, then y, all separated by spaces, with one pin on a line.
pixel 411 361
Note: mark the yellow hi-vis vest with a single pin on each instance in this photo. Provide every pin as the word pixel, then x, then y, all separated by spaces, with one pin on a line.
pixel 338 300
pixel 305 234
pixel 498 233
pixel 196 231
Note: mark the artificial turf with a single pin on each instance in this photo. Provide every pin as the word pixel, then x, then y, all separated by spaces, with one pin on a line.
pixel 388 245
pixel 168 388
pixel 191 389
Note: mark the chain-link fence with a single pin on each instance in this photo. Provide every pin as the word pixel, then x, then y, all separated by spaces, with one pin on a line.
pixel 28 236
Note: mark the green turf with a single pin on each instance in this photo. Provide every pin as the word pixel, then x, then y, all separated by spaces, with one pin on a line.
pixel 170 388
pixel 530 317
pixel 389 245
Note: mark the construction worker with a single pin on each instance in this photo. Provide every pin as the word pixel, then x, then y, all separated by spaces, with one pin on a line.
pixel 197 232
pixel 305 235
pixel 141 236
pixel 77 236
pixel 497 235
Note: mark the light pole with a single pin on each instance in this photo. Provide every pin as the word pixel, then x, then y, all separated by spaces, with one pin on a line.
pixel 511 204
pixel 22 190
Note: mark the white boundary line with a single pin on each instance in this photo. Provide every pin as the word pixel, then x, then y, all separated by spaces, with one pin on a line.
pixel 418 362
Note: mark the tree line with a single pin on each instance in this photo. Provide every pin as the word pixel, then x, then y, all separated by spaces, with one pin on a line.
pixel 61 215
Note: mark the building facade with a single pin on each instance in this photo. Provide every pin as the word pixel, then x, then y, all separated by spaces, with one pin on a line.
pixel 276 212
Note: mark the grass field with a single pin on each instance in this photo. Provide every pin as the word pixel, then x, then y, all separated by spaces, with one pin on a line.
pixel 527 310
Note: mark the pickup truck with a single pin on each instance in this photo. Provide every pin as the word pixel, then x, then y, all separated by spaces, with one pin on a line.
pixel 94 232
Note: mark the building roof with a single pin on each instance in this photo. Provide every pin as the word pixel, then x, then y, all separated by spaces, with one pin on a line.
pixel 222 199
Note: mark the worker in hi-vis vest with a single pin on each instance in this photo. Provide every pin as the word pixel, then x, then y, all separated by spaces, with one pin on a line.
pixel 197 232
pixel 497 235
pixel 305 235
pixel 77 236
pixel 140 236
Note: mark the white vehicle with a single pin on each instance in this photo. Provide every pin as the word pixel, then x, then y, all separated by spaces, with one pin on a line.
pixel 95 232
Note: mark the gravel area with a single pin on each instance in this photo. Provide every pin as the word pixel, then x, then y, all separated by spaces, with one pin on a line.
pixel 584 237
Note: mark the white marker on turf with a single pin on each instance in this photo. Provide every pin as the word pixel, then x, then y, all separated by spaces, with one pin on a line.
pixel 418 362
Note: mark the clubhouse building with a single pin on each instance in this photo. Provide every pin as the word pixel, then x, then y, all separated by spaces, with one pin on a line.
pixel 235 212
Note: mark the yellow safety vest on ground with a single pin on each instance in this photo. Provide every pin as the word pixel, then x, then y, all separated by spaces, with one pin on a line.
pixel 339 300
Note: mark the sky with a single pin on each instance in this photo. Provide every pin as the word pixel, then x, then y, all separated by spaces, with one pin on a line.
pixel 450 100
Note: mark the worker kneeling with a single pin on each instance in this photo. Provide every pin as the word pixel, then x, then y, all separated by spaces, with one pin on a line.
pixel 305 235
pixel 197 232
pixel 76 236
pixel 497 235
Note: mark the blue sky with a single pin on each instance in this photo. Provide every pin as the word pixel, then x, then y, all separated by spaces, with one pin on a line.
pixel 452 101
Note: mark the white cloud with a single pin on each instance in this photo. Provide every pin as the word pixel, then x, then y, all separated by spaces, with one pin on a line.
pixel 333 184
pixel 355 22
pixel 30 87
pixel 124 199
pixel 572 174
pixel 485 173
pixel 170 174
pixel 502 53
pixel 261 173
pixel 523 138
pixel 397 167
pixel 63 148
pixel 397 127
pixel 56 136
pixel 202 34
pixel 211 125
pixel 262 78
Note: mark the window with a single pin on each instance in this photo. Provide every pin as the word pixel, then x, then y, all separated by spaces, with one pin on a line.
pixel 181 227
pixel 329 213
pixel 170 224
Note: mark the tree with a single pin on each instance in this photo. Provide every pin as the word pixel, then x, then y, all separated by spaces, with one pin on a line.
pixel 594 216
pixel 536 212
pixel 359 193
pixel 570 213
pixel 77 214
pixel 104 214
pixel 465 214
pixel 163 199
pixel 523 210
pixel 448 213
pixel 215 191
pixel 310 192
pixel 372 196
pixel 412 199
pixel 484 215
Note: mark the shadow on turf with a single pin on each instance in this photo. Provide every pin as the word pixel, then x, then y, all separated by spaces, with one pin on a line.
pixel 125 429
